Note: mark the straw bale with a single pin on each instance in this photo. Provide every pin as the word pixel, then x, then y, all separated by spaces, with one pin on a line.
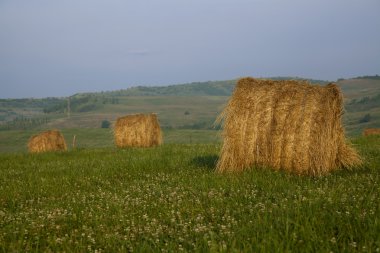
pixel 137 130
pixel 289 125
pixel 51 140
pixel 371 131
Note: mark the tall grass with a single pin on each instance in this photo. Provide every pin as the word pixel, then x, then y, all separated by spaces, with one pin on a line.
pixel 170 199
pixel 16 141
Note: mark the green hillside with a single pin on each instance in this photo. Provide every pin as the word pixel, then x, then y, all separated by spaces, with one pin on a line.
pixel 362 107
pixel 185 106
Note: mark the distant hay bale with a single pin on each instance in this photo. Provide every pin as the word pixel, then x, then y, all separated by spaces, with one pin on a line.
pixel 288 125
pixel 137 130
pixel 51 140
pixel 371 131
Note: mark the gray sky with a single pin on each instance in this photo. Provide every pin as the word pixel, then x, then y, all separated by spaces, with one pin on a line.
pixel 58 48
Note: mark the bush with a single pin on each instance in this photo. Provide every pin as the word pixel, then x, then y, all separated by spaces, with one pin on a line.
pixel 365 119
pixel 106 124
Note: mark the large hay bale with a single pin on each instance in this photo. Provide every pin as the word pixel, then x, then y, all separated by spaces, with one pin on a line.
pixel 51 140
pixel 371 131
pixel 288 125
pixel 137 130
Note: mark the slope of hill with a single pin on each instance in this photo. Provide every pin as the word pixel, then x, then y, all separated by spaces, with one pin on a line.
pixel 359 87
pixel 191 112
pixel 189 106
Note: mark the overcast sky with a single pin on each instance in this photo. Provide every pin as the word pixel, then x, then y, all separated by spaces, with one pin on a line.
pixel 58 48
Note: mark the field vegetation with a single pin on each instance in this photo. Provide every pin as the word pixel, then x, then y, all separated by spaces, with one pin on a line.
pixel 97 198
pixel 85 138
pixel 170 199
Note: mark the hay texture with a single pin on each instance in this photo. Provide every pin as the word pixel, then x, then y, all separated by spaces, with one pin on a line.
pixel 288 125
pixel 51 140
pixel 371 131
pixel 137 130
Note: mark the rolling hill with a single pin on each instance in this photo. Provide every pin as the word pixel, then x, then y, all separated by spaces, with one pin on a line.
pixel 184 106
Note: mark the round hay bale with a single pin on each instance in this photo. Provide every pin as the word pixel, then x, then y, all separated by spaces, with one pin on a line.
pixel 137 130
pixel 371 131
pixel 51 140
pixel 290 125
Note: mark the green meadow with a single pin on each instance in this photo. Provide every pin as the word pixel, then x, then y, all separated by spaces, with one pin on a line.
pixel 16 140
pixel 169 199
pixel 97 198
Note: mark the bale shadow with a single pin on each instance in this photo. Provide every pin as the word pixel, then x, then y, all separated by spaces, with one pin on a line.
pixel 207 162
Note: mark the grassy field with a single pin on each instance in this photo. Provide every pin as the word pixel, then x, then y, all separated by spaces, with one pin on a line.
pixel 97 198
pixel 16 141
pixel 170 199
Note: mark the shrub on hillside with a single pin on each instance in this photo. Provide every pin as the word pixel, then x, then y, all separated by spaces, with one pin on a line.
pixel 366 118
pixel 105 124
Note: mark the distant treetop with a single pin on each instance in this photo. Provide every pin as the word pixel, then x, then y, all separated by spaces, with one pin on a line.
pixel 375 77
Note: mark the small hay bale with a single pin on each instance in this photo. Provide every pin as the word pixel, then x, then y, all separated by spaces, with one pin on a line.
pixel 51 140
pixel 137 130
pixel 371 131
pixel 288 125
